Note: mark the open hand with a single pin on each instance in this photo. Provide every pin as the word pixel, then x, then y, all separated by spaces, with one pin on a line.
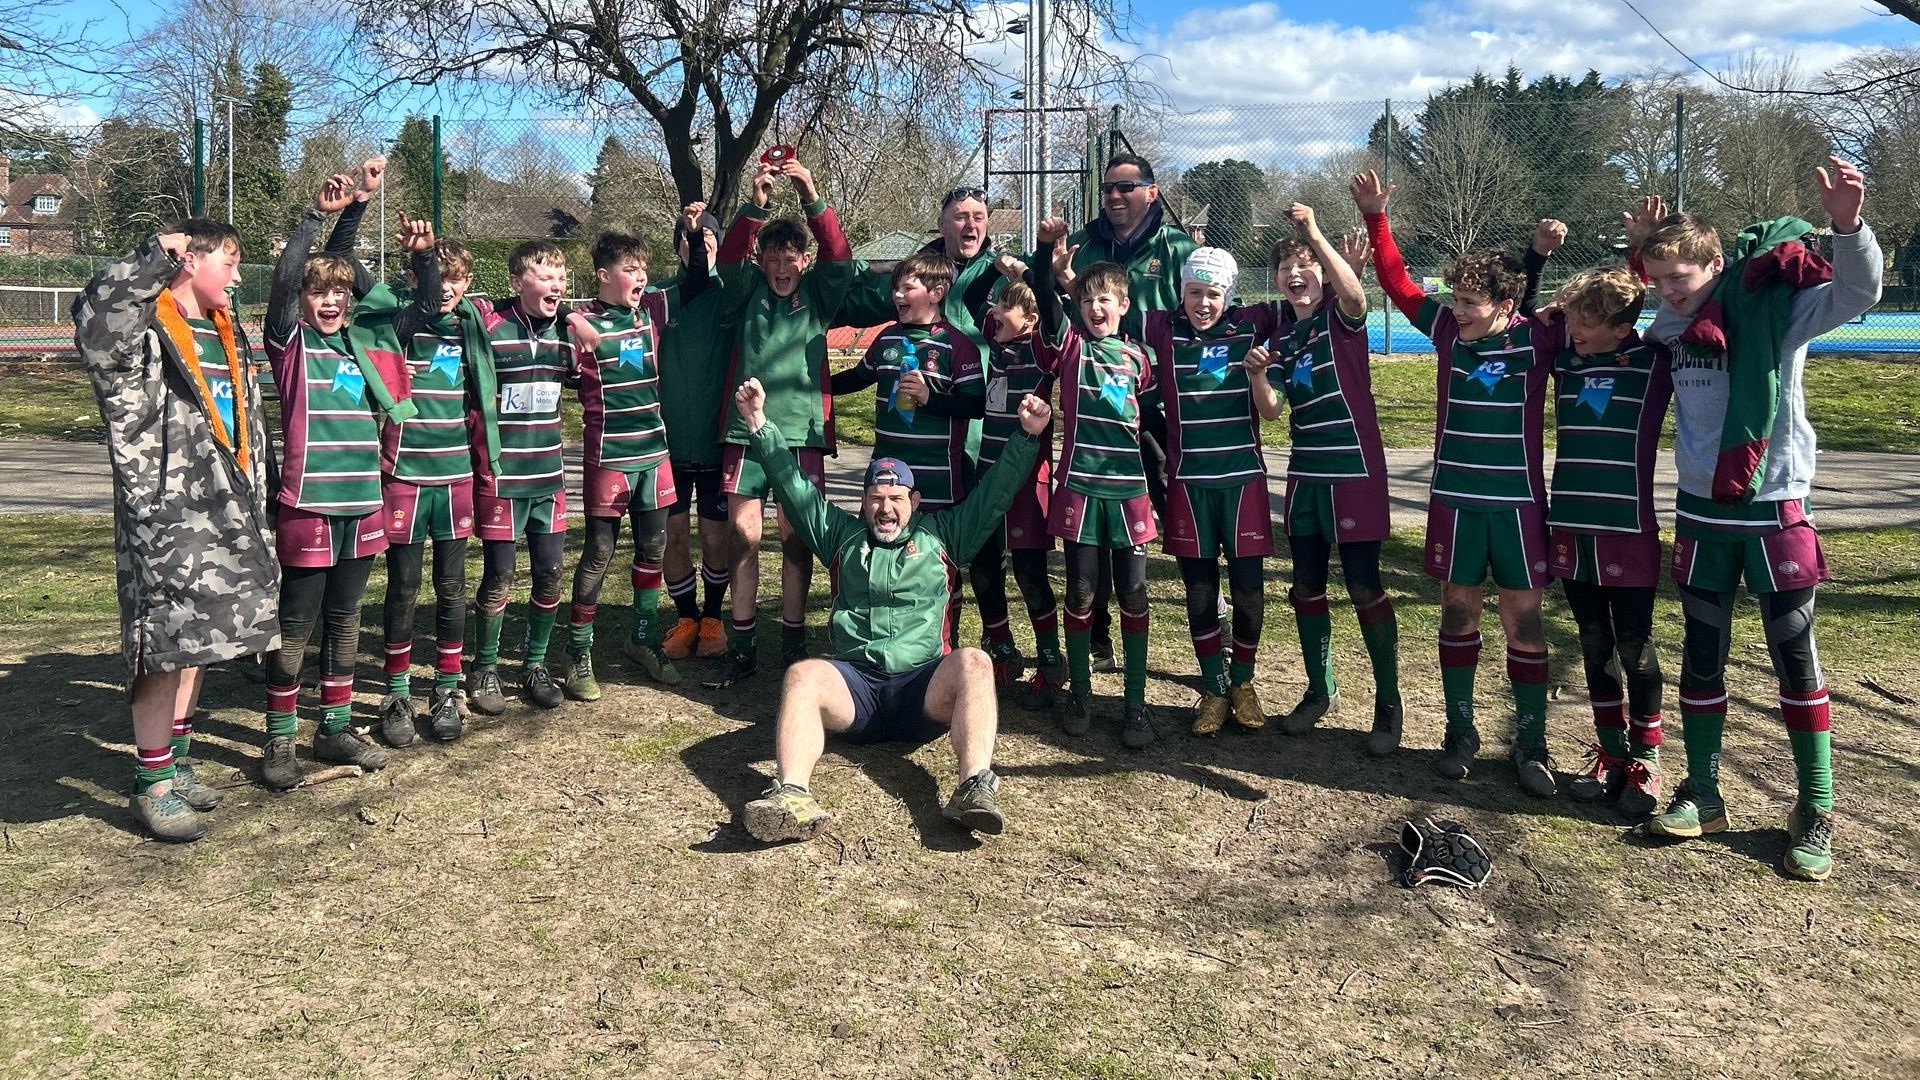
pixel 1639 223
pixel 1357 250
pixel 1034 414
pixel 1370 193
pixel 1843 192
pixel 802 179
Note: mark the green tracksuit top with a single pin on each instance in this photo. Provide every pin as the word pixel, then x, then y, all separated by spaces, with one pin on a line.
pixel 890 610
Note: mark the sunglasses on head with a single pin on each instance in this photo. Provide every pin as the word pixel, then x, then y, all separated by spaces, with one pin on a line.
pixel 1124 187
pixel 961 194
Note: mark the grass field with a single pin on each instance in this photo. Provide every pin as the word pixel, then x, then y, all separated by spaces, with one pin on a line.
pixel 1855 404
pixel 566 894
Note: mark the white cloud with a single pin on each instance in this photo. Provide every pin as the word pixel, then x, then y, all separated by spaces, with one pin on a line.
pixel 1262 64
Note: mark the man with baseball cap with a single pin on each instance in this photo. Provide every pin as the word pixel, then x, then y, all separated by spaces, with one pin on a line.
pixel 895 675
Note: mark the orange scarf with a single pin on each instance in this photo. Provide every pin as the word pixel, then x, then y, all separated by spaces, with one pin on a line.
pixel 174 322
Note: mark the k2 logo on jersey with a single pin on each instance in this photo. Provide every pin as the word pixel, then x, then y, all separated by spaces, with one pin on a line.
pixel 1489 373
pixel 1596 393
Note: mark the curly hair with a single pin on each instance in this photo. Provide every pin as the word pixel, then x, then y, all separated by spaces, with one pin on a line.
pixel 1288 247
pixel 1609 296
pixel 1496 273
pixel 456 262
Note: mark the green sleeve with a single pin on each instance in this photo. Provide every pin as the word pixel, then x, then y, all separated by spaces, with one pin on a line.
pixel 966 525
pixel 869 299
pixel 821 525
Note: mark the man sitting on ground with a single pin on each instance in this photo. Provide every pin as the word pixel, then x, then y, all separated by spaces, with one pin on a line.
pixel 892 678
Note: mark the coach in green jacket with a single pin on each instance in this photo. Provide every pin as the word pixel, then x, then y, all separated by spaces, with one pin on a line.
pixel 892 678
pixel 1132 231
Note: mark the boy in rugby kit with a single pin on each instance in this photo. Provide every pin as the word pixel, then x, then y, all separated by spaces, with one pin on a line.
pixel 1011 374
pixel 1745 451
pixel 930 384
pixel 441 356
pixel 1099 506
pixel 693 391
pixel 1487 508
pixel 532 354
pixel 328 516
pixel 1336 471
pixel 1216 478
pixel 779 306
pixel 1611 391
pixel 625 471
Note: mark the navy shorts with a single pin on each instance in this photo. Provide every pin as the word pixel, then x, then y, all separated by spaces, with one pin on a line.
pixel 701 490
pixel 890 708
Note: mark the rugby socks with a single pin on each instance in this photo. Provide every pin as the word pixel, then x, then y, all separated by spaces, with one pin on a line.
pixel 1381 633
pixel 793 632
pixel 1240 670
pixel 1527 671
pixel 541 615
pixel 446 664
pixel 151 765
pixel 740 634
pixel 1809 729
pixel 580 629
pixel 399 661
pixel 685 595
pixel 1459 656
pixel 486 648
pixel 713 591
pixel 1610 726
pixel 1644 737
pixel 1046 638
pixel 182 740
pixel 336 703
pixel 1080 652
pixel 1213 668
pixel 1703 723
pixel 1316 639
pixel 644 628
pixel 999 633
pixel 280 705
pixel 1133 642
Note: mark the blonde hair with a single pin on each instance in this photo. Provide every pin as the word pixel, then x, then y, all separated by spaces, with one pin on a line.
pixel 455 260
pixel 1609 296
pixel 326 271
pixel 1684 238
pixel 535 253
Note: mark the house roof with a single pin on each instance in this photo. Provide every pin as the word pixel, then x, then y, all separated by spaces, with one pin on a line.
pixel 16 201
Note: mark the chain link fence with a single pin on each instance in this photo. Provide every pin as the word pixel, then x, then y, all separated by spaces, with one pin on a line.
pixel 1476 166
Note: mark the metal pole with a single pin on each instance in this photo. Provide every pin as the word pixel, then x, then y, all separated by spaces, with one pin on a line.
pixel 199 167
pixel 438 226
pixel 1045 179
pixel 1113 139
pixel 1386 175
pixel 1679 153
pixel 229 161
pixel 383 232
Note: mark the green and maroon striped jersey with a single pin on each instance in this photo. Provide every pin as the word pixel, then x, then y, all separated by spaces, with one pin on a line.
pixel 1101 380
pixel 935 446
pixel 529 364
pixel 1490 434
pixel 1608 409
pixel 330 444
pixel 1012 374
pixel 1323 368
pixel 434 446
pixel 620 386
pixel 1213 431
pixel 211 357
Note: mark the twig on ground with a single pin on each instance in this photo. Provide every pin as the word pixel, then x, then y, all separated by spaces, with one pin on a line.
pixel 1527 861
pixel 1539 957
pixel 1893 696
pixel 337 772
pixel 842 845
pixel 1503 969
pixel 1444 921
pixel 1542 1023
pixel 1351 975
pixel 1253 815
pixel 1088 924
pixel 1211 956
pixel 9 835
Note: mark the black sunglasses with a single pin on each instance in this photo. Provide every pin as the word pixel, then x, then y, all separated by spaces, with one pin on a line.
pixel 961 194
pixel 1124 187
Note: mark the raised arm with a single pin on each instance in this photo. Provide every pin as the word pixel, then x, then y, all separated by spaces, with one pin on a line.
pixel 1371 195
pixel 110 317
pixel 1345 284
pixel 416 236
pixel 820 525
pixel 1547 238
pixel 1053 319
pixel 1857 263
pixel 966 525
pixel 283 291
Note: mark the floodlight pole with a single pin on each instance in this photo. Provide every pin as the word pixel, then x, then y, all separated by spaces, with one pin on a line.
pixel 231 102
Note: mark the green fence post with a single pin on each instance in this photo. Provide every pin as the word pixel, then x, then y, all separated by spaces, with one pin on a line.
pixel 1679 153
pixel 199 168
pixel 1386 176
pixel 439 226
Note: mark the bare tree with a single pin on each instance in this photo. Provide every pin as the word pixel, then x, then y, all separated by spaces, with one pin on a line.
pixel 749 74
pixel 44 55
pixel 1877 124
pixel 1469 178
pixel 1761 149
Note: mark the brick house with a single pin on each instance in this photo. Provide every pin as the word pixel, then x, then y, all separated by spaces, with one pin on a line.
pixel 39 213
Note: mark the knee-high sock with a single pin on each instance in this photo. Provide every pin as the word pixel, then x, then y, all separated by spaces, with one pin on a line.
pixel 1703 722
pixel 1809 728
pixel 1459 656
pixel 1527 671
pixel 1311 616
pixel 1380 630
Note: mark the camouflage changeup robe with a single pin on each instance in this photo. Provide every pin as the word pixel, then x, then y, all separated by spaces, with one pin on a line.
pixel 199 580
